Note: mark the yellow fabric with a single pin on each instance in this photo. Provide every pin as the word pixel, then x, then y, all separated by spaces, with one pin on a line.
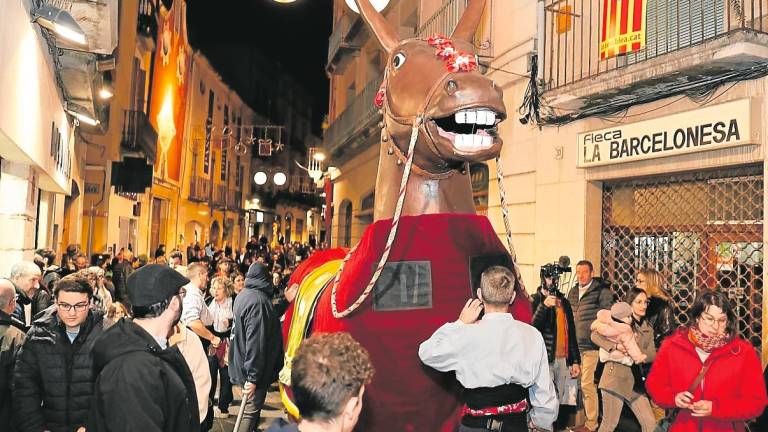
pixel 561 346
pixel 303 308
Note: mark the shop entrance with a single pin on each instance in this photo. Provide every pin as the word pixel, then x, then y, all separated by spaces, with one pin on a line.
pixel 700 230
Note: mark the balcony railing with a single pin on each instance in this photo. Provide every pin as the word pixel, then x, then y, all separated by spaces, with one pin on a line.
pixel 219 195
pixel 234 200
pixel 572 30
pixel 199 189
pixel 138 135
pixel 147 21
pixel 341 44
pixel 444 21
pixel 360 115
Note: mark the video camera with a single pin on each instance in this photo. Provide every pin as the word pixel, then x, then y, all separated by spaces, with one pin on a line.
pixel 553 271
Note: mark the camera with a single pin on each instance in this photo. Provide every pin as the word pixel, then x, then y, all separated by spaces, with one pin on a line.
pixel 553 271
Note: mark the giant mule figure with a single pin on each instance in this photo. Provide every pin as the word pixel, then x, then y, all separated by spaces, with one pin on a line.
pixel 415 267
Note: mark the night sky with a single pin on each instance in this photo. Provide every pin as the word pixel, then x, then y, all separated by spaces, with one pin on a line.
pixel 295 35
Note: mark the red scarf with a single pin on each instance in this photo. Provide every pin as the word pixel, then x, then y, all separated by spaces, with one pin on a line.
pixel 704 342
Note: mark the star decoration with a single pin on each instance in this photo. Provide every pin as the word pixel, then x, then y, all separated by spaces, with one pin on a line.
pixel 279 146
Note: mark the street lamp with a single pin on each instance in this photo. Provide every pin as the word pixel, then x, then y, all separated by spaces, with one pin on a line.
pixel 80 114
pixel 379 5
pixel 284 1
pixel 260 178
pixel 279 178
pixel 60 22
pixel 319 156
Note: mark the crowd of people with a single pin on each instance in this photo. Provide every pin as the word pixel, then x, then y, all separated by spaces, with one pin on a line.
pixel 136 343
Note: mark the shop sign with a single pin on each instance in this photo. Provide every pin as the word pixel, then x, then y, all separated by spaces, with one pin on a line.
pixel 711 128
pixel 623 27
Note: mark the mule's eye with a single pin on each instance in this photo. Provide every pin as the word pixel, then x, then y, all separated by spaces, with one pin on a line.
pixel 398 60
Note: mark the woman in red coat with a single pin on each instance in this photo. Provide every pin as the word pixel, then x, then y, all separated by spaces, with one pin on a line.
pixel 732 390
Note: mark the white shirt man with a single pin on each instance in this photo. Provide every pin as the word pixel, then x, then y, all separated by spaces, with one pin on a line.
pixel 499 358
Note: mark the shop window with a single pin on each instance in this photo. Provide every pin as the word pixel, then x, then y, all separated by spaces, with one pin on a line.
pixel 701 231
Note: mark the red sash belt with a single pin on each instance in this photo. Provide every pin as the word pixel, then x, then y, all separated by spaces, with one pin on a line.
pixel 515 408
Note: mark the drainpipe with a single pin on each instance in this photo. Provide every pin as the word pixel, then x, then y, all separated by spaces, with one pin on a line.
pixel 540 23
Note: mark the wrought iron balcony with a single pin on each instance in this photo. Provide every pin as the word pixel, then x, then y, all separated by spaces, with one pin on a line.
pixel 199 189
pixel 689 46
pixel 234 200
pixel 345 137
pixel 444 21
pixel 219 198
pixel 341 45
pixel 138 135
pixel 147 21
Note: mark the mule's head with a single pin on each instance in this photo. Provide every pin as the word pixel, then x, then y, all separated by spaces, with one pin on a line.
pixel 439 79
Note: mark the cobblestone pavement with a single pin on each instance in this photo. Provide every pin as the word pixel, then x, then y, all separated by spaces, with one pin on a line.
pixel 273 409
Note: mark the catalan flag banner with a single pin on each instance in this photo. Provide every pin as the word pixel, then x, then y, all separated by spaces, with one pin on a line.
pixel 623 27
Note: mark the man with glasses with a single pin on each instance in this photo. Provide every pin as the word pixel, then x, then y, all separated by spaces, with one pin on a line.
pixel 143 384
pixel 53 378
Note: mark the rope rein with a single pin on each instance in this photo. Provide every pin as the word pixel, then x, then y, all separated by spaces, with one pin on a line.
pixel 505 217
pixel 390 239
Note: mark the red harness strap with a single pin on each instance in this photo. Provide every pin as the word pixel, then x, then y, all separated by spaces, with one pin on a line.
pixel 515 408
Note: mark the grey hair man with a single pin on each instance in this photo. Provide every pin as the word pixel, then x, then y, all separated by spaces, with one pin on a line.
pixel 25 276
pixel 11 339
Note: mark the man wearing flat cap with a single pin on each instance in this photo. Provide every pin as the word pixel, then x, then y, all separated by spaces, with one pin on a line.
pixel 142 383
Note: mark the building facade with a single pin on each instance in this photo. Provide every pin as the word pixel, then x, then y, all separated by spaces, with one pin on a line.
pixel 649 151
pixel 49 87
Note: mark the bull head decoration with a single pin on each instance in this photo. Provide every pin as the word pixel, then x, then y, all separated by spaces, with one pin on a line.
pixel 439 111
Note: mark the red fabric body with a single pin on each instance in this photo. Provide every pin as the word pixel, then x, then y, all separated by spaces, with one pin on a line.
pixel 734 383
pixel 405 395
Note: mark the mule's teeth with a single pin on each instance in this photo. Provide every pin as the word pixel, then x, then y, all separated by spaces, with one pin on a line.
pixel 487 141
pixel 458 140
pixel 481 116
pixel 490 118
pixel 477 140
pixel 461 117
pixel 472 117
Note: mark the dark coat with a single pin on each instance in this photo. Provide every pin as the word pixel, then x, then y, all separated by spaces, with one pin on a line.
pixel 545 320
pixel 140 386
pixel 53 378
pixel 11 339
pixel 120 273
pixel 256 353
pixel 598 296
pixel 661 317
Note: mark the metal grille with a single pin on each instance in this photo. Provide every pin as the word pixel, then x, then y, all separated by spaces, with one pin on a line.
pixel 700 230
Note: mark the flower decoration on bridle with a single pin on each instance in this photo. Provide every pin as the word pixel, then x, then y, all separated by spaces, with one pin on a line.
pixel 455 60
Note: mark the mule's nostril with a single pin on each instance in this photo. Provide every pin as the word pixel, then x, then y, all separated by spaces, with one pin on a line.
pixel 451 86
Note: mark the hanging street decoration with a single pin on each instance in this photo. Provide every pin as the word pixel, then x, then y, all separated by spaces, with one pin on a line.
pixel 262 139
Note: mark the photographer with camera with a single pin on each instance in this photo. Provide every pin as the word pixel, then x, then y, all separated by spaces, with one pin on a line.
pixel 553 317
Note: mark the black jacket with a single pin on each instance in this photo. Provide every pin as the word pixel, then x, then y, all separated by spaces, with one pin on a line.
pixel 545 320
pixel 11 339
pixel 120 273
pixel 598 296
pixel 140 387
pixel 53 378
pixel 661 317
pixel 256 353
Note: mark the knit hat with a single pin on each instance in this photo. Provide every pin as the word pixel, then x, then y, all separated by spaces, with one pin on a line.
pixel 621 310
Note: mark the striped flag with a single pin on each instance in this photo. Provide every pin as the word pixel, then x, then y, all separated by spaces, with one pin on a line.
pixel 623 27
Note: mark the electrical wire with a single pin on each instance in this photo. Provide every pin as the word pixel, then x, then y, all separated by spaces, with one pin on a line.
pixel 529 110
pixel 702 92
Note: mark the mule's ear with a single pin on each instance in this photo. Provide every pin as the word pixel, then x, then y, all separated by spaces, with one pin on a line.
pixel 470 21
pixel 384 31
